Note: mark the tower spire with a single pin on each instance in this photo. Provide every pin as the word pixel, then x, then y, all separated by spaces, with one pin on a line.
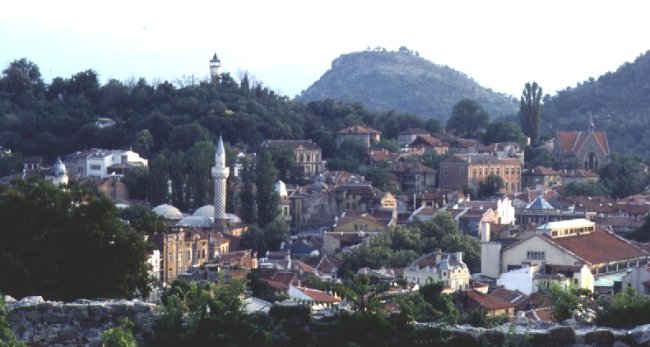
pixel 220 173
pixel 592 126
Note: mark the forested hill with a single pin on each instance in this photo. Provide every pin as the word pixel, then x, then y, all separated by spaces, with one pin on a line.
pixel 388 80
pixel 59 118
pixel 619 102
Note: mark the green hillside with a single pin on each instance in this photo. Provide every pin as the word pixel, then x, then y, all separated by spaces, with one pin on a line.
pixel 383 80
pixel 619 102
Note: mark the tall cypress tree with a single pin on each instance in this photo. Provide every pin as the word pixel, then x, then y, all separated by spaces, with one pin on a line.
pixel 247 211
pixel 268 200
pixel 530 111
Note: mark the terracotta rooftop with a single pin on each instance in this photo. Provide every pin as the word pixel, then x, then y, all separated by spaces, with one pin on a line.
pixel 514 296
pixel 346 220
pixel 358 129
pixel 327 264
pixel 580 173
pixel 489 302
pixel 619 221
pixel 383 155
pixel 599 246
pixel 543 171
pixel 572 141
pixel 598 204
pixel 425 140
pixel 318 295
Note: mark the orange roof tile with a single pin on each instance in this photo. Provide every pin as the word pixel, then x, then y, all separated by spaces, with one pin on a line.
pixel 358 129
pixel 599 246
pixel 489 302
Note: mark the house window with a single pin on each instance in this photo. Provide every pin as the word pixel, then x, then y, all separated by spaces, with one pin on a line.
pixel 95 167
pixel 535 255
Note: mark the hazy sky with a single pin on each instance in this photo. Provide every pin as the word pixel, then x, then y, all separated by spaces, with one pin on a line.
pixel 288 45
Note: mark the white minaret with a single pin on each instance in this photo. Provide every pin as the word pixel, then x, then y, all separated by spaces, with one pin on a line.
pixel 220 173
pixel 215 67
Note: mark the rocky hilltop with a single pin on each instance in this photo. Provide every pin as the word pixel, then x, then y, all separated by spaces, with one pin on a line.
pixel 403 81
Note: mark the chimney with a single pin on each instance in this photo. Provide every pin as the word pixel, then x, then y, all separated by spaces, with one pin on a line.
pixel 438 255
pixel 459 257
pixel 484 231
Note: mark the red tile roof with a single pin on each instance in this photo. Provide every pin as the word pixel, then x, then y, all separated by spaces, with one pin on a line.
pixel 572 141
pixel 383 155
pixel 358 129
pixel 426 140
pixel 599 246
pixel 489 302
pixel 318 295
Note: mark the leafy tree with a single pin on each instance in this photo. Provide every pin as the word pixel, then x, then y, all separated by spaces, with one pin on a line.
pixel 268 201
pixel 348 156
pixel 143 142
pixel 538 157
pixel 157 189
pixel 390 145
pixel 207 315
pixel 642 234
pixel 468 119
pixel 628 309
pixel 364 294
pixel 377 175
pixel 120 336
pixel 432 294
pixel 7 337
pixel 73 245
pixel 503 131
pixel 200 158
pixel 623 176
pixel 136 181
pixel 248 210
pixel 566 300
pixel 276 233
pixel 490 186
pixel 530 110
pixel 142 219
pixel 182 137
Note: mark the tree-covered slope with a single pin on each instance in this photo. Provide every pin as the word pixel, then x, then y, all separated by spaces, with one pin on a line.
pixel 619 102
pixel 383 80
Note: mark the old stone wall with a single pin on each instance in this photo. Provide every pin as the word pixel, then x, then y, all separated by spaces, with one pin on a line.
pixel 546 334
pixel 79 323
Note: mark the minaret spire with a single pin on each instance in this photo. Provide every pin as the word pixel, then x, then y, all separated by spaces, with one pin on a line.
pixel 220 173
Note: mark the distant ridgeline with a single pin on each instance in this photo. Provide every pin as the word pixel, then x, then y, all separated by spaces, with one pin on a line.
pixel 619 102
pixel 403 81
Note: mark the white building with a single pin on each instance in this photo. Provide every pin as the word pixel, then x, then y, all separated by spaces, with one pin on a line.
pixel 102 163
pixel 565 248
pixel 59 174
pixel 638 278
pixel 528 279
pixel 438 266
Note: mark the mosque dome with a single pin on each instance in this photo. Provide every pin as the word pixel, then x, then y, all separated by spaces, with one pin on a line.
pixel 59 169
pixel 167 211
pixel 204 211
pixel 232 218
pixel 319 186
pixel 196 222
pixel 281 188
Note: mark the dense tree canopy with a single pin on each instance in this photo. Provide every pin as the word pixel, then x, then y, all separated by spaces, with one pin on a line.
pixel 67 244
pixel 468 119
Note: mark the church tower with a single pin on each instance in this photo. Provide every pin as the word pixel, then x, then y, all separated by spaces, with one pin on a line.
pixel 215 67
pixel 220 173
